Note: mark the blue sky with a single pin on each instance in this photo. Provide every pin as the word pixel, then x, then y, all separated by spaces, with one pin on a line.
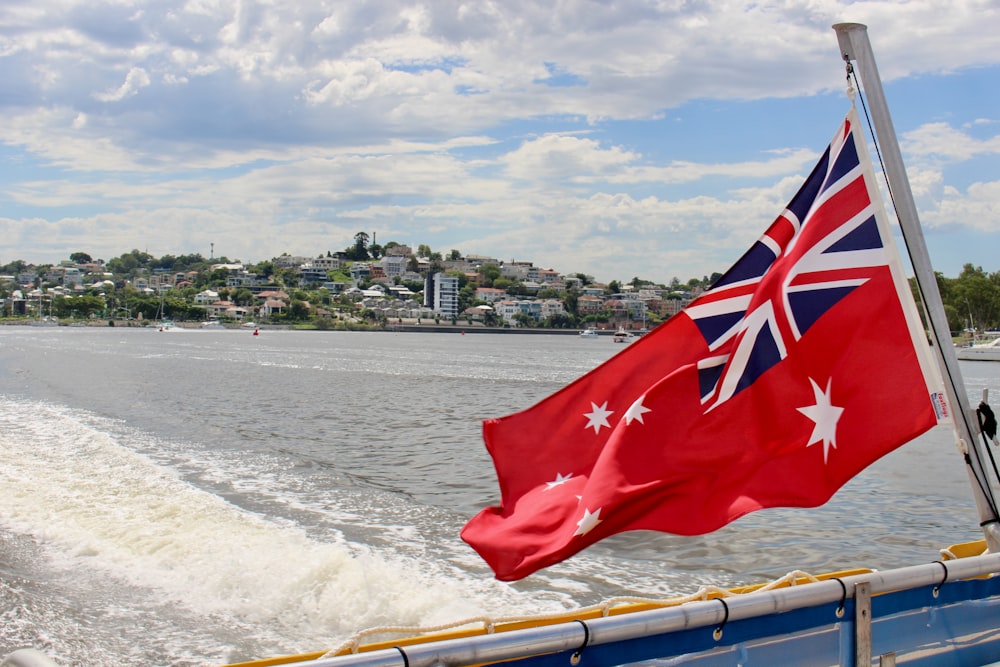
pixel 649 138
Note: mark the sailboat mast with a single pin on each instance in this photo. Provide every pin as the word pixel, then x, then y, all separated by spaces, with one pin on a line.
pixel 855 46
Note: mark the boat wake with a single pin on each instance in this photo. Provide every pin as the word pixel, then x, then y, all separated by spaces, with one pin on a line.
pixel 112 527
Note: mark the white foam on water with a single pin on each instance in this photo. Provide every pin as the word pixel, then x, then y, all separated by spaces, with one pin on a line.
pixel 97 504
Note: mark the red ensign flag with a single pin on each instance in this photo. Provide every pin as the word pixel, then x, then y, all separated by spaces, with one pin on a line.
pixel 800 367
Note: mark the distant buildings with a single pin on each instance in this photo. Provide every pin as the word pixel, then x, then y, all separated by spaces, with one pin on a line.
pixel 389 296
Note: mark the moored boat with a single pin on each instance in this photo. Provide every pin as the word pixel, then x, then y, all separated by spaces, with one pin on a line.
pixel 989 351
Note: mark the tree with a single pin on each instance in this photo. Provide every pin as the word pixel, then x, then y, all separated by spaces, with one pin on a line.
pixel 489 272
pixel 265 269
pixel 524 320
pixel 562 321
pixel 359 251
pixel 298 310
pixel 80 258
pixel 243 297
pixel 571 301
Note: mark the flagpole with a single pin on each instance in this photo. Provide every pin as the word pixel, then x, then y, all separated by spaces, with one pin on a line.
pixel 855 46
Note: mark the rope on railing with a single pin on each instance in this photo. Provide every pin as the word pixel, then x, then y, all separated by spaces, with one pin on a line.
pixel 353 643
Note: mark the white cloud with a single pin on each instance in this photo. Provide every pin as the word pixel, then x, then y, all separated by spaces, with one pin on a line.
pixel 500 124
pixel 976 208
pixel 939 140
pixel 135 80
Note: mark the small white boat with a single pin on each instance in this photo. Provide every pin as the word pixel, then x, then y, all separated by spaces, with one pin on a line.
pixel 168 326
pixel 589 333
pixel 622 336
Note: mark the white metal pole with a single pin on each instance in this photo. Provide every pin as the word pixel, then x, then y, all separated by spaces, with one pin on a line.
pixel 855 46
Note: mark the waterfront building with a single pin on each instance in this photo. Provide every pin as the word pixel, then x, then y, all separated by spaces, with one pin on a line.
pixel 446 295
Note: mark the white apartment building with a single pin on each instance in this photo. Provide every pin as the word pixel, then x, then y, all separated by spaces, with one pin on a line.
pixel 446 295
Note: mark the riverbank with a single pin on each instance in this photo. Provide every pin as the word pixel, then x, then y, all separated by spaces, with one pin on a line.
pixel 393 328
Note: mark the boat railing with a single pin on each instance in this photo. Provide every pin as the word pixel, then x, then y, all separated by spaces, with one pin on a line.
pixel 839 604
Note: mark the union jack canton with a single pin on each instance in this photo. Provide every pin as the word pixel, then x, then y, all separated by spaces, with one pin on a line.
pixel 821 248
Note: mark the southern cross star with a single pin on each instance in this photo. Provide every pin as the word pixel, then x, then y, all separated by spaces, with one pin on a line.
pixel 825 416
pixel 588 522
pixel 599 417
pixel 560 479
pixel 636 411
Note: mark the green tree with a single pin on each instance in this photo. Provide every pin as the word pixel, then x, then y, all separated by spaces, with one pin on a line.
pixel 489 272
pixel 976 296
pixel 562 321
pixel 359 251
pixel 298 310
pixel 242 297
pixel 571 301
pixel 524 320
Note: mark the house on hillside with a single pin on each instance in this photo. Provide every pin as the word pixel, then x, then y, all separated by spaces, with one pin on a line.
pixel 206 297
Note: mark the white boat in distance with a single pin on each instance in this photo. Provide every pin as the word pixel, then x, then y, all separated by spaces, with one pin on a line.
pixel 622 336
pixel 590 332
pixel 989 351
pixel 167 326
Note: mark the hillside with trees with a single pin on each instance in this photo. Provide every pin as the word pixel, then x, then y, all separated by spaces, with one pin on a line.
pixel 138 286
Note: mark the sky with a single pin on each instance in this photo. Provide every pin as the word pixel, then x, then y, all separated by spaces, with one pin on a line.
pixel 643 138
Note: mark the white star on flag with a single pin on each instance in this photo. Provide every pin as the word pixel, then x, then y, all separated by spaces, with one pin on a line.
pixel 588 522
pixel 560 479
pixel 636 411
pixel 825 416
pixel 599 417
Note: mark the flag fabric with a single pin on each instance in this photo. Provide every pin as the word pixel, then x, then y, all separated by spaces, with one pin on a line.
pixel 801 366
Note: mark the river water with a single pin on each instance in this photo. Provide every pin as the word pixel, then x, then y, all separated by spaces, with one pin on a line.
pixel 203 497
